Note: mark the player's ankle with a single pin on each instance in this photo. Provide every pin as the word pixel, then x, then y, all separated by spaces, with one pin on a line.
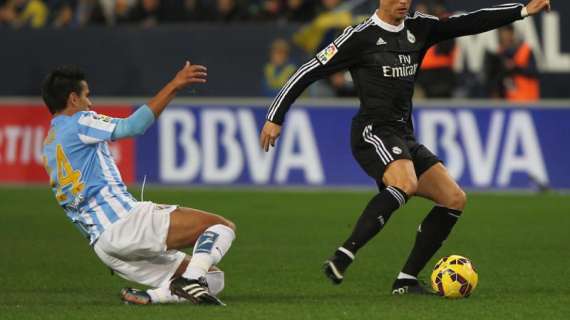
pixel 195 271
pixel 341 251
pixel 343 258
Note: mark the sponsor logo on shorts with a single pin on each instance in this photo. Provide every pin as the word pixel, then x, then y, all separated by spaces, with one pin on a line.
pixel 396 150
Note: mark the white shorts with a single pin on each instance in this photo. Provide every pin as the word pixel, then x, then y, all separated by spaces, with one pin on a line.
pixel 135 246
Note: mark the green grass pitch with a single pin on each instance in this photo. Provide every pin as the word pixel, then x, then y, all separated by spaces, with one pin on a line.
pixel 519 243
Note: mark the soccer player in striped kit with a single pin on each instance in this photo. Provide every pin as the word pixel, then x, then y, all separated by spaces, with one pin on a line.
pixel 137 240
pixel 383 55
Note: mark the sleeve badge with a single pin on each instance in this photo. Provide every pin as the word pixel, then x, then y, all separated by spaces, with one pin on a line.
pixel 327 54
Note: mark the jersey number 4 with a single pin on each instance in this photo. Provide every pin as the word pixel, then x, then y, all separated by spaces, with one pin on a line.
pixel 66 175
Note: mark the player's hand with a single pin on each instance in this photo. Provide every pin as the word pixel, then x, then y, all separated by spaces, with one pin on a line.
pixel 269 135
pixel 190 74
pixel 537 6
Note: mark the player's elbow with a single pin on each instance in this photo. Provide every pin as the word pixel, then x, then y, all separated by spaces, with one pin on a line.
pixel 127 128
pixel 139 121
pixel 139 129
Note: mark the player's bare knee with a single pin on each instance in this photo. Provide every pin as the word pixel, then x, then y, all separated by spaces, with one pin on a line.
pixel 224 221
pixel 214 220
pixel 461 199
pixel 402 178
pixel 408 184
pixel 230 224
pixel 411 186
pixel 456 200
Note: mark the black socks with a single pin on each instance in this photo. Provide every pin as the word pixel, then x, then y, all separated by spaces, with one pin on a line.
pixel 374 217
pixel 432 232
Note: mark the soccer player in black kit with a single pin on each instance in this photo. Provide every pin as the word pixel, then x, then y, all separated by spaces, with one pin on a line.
pixel 383 55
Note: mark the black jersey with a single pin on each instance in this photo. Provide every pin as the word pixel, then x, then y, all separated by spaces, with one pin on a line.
pixel 384 60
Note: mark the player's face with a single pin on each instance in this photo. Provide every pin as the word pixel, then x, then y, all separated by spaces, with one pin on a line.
pixel 397 9
pixel 82 101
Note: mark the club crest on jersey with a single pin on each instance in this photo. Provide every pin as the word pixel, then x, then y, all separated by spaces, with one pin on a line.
pixel 327 53
pixel 396 150
pixel 411 37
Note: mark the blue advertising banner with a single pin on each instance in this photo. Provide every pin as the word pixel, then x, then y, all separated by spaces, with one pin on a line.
pixel 499 148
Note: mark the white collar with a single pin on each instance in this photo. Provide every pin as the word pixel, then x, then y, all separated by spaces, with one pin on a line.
pixel 386 26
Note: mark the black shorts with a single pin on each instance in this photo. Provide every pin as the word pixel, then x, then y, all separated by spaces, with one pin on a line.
pixel 376 146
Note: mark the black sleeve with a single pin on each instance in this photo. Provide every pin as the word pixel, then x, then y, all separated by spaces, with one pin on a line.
pixel 474 22
pixel 342 53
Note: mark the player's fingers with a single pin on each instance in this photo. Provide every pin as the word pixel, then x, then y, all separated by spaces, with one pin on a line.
pixel 198 75
pixel 268 144
pixel 262 140
pixel 187 64
pixel 274 137
pixel 197 80
pixel 198 67
pixel 265 144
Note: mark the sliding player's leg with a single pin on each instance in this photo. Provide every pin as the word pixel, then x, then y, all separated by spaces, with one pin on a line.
pixel 211 236
pixel 141 247
pixel 162 295
pixel 214 279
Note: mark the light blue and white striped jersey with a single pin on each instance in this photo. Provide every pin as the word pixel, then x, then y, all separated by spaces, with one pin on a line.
pixel 83 174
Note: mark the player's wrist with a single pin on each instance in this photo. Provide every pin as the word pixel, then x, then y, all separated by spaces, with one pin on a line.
pixel 174 86
pixel 275 122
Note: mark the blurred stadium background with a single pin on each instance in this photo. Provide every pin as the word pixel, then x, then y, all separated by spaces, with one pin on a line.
pixel 494 106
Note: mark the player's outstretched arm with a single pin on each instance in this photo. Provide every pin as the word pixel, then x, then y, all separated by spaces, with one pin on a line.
pixel 138 122
pixel 483 20
pixel 341 54
pixel 190 74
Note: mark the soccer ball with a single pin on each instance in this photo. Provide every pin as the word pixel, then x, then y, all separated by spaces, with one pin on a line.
pixel 454 277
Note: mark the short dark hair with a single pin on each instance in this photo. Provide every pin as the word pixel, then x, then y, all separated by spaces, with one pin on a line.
pixel 59 84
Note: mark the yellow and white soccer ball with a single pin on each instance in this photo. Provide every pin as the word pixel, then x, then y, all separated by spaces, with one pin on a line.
pixel 454 277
